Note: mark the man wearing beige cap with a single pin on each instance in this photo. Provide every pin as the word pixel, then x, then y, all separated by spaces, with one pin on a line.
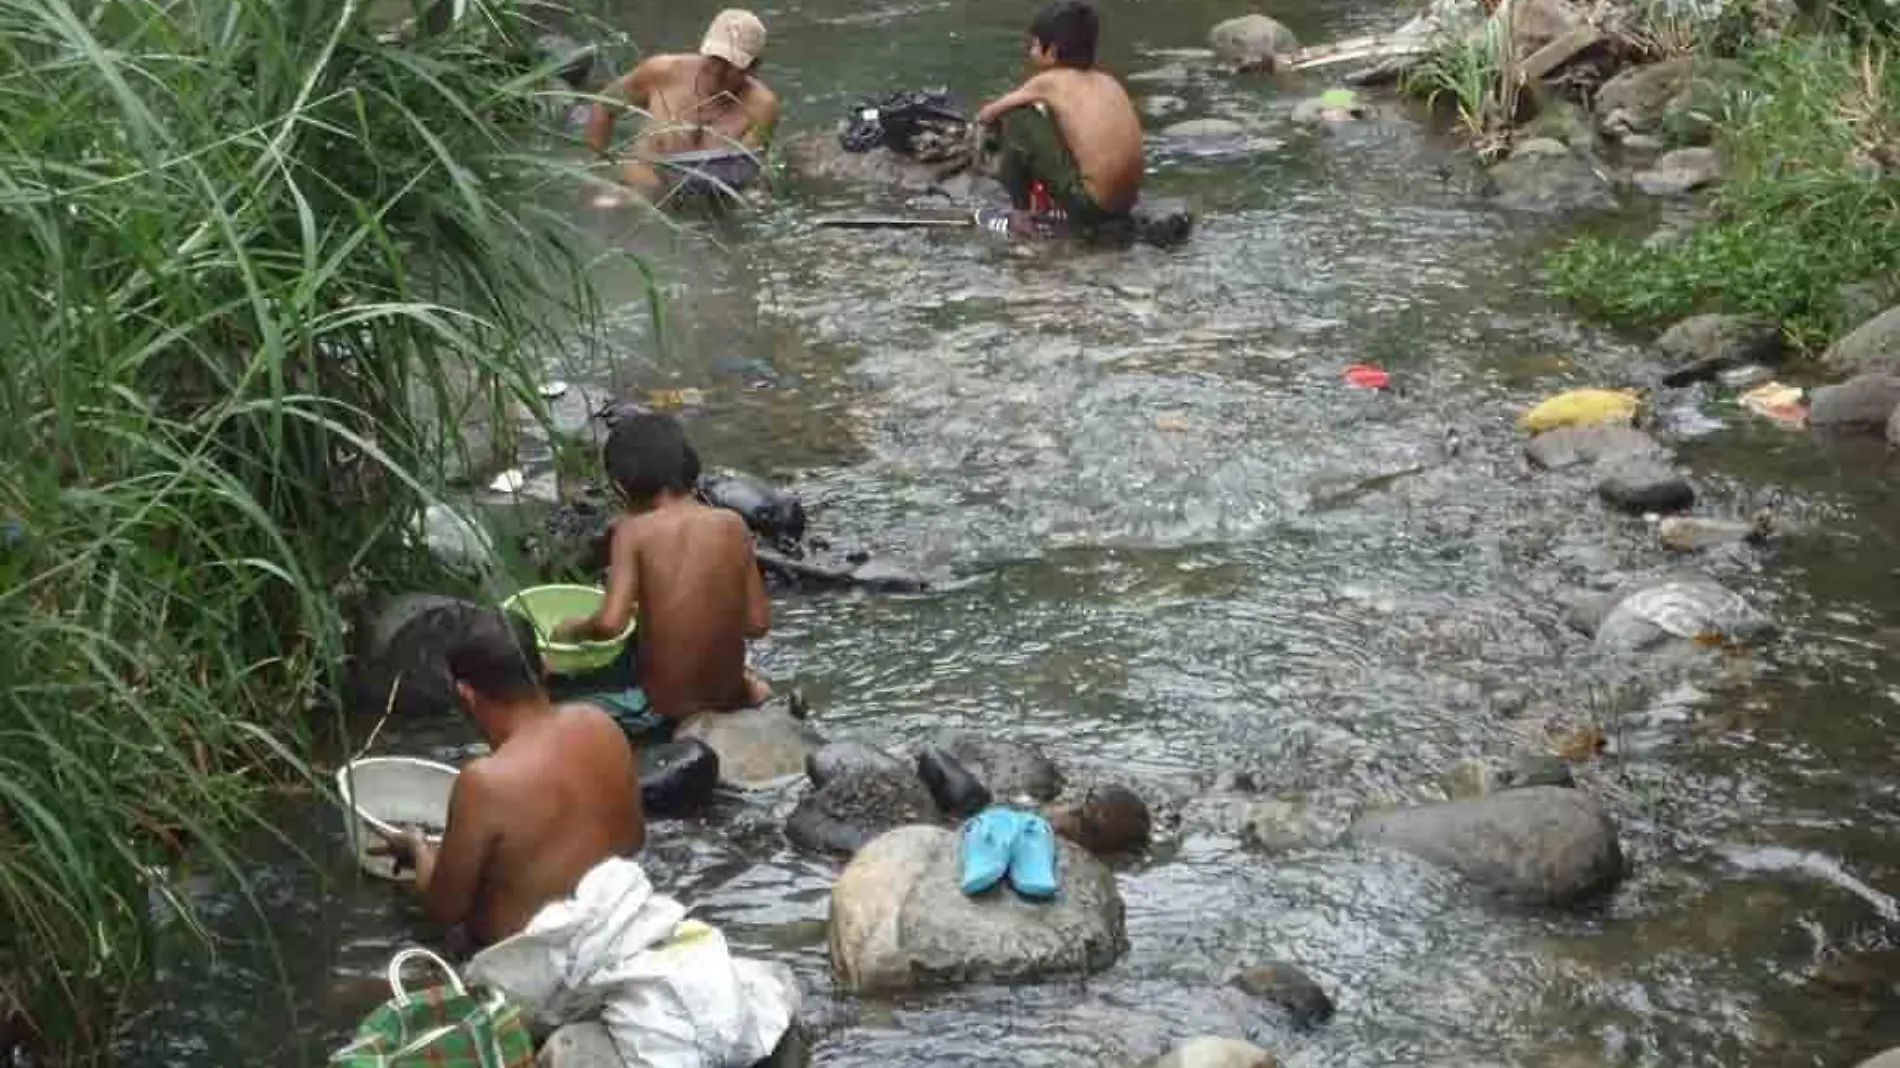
pixel 708 115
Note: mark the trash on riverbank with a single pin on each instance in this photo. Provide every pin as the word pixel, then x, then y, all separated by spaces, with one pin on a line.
pixel 1787 405
pixel 1366 376
pixel 1581 407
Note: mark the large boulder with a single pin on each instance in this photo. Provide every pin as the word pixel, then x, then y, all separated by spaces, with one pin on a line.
pixel 1703 346
pixel 757 746
pixel 1681 171
pixel 851 810
pixel 1010 770
pixel 1889 1059
pixel 1872 346
pixel 899 919
pixel 1252 42
pixel 1215 1053
pixel 1674 608
pixel 819 156
pixel 399 661
pixel 1539 846
pixel 1577 446
pixel 1678 98
pixel 1864 402
pixel 1551 185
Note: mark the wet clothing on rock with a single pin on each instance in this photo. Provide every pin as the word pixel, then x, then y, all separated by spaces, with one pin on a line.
pixel 1034 153
pixel 631 710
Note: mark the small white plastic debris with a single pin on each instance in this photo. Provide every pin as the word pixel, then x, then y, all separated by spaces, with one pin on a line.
pixel 509 481
pixel 554 389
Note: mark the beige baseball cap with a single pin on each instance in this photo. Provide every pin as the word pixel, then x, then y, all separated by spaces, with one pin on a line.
pixel 736 36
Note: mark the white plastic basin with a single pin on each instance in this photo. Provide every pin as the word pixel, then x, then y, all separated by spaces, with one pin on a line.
pixel 388 794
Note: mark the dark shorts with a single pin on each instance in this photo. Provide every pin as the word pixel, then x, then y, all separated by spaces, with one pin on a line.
pixel 637 720
pixel 712 172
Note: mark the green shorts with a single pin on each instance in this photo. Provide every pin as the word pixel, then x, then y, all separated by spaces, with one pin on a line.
pixel 1033 151
pixel 636 717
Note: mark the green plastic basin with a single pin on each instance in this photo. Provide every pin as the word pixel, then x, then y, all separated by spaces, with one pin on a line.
pixel 547 607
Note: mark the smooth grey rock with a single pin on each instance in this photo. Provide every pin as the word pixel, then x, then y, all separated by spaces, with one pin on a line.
pixel 1009 770
pixel 1205 130
pixel 1690 534
pixel 1863 402
pixel 1872 346
pixel 1251 42
pixel 1576 446
pixel 1109 821
pixel 855 808
pixel 1889 1059
pixel 1538 846
pixel 1290 988
pixel 1644 486
pixel 817 155
pixel 1537 770
pixel 579 1045
pixel 1321 110
pixel 1551 185
pixel 845 758
pixel 1215 1053
pixel 1685 607
pixel 399 664
pixel 677 778
pixel 757 746
pixel 1163 106
pixel 1681 171
pixel 899 920
pixel 1703 346
pixel 1541 146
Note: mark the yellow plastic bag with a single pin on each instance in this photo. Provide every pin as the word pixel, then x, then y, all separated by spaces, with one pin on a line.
pixel 1581 407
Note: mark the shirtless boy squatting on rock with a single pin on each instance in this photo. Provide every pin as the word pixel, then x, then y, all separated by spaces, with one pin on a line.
pixel 558 794
pixel 701 103
pixel 687 572
pixel 1069 131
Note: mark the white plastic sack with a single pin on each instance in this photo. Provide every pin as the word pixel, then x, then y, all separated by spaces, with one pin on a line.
pixel 668 989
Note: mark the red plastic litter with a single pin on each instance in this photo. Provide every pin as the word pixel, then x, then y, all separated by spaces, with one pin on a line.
pixel 1367 377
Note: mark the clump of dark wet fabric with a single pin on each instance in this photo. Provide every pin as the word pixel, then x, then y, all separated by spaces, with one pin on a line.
pixel 925 125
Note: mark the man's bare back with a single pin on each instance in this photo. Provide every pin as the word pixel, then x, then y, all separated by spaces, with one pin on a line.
pixel 1099 123
pixel 699 597
pixel 558 798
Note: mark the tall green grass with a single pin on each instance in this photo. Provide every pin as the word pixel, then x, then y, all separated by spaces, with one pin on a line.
pixel 256 261
pixel 1812 203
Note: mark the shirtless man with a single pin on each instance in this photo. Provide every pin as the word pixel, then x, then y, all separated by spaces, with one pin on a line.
pixel 701 103
pixel 1069 133
pixel 688 573
pixel 558 794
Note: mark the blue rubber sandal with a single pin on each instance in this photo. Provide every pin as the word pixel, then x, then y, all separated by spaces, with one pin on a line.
pixel 986 849
pixel 1032 860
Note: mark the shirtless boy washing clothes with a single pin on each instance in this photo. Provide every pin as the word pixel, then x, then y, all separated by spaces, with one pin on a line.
pixel 1071 151
pixel 710 117
pixel 687 572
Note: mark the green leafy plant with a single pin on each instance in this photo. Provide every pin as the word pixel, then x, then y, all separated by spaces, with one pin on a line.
pixel 1478 74
pixel 258 258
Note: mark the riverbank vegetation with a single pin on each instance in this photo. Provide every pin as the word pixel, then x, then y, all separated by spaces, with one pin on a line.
pixel 1811 205
pixel 244 245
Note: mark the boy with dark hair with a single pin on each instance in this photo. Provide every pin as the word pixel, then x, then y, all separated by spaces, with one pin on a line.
pixel 688 573
pixel 557 795
pixel 1071 140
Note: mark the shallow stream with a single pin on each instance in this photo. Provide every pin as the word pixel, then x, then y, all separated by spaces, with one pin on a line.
pixel 1177 549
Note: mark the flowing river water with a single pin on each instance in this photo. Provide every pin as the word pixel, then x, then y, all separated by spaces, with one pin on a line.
pixel 1178 551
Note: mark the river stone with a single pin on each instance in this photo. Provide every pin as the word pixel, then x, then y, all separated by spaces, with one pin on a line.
pixel 589 1045
pixel 1889 1059
pixel 1679 172
pixel 1677 97
pixel 1205 130
pixel 1290 988
pixel 1336 105
pixel 1010 770
pixel 899 920
pixel 1703 346
pixel 853 809
pixel 1163 106
pixel 1110 821
pixel 1540 146
pixel 1575 446
pixel 756 746
pixel 677 778
pixel 1537 770
pixel 1872 346
pixel 818 155
pixel 1252 42
pixel 1551 185
pixel 399 664
pixel 1215 1053
pixel 1690 534
pixel 1644 486
pixel 1544 845
pixel 846 758
pixel 1690 607
pixel 1862 402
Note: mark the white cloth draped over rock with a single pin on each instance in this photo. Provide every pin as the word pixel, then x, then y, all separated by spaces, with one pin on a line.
pixel 667 988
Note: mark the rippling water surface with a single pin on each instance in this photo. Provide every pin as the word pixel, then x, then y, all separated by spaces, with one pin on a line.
pixel 1176 546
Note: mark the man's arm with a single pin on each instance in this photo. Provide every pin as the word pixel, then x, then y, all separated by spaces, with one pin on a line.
pixel 623 591
pixel 635 89
pixel 1030 92
pixel 449 876
pixel 762 113
pixel 758 608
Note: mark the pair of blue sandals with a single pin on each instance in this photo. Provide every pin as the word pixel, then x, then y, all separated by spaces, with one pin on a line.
pixel 1002 841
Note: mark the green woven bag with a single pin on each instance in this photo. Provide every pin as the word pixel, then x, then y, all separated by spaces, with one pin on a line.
pixel 439 1027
